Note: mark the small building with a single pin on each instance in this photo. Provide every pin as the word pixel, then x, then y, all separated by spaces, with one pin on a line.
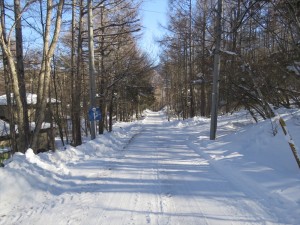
pixel 31 102
pixel 46 136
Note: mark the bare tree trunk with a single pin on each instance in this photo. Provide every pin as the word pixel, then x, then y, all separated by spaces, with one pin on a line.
pixel 57 116
pixel 73 97
pixel 23 124
pixel 91 64
pixel 76 77
pixel 111 107
pixel 203 99
pixel 44 76
pixel 15 82
pixel 13 140
pixel 190 64
pixel 102 97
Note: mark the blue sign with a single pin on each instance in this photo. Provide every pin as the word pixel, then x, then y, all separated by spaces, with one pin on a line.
pixel 95 114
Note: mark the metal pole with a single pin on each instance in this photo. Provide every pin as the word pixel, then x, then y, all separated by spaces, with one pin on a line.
pixel 216 74
pixel 91 64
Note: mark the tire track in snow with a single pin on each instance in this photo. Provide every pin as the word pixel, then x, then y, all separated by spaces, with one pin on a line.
pixel 168 193
pixel 160 180
pixel 221 203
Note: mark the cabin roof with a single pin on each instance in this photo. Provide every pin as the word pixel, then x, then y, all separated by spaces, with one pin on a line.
pixel 31 99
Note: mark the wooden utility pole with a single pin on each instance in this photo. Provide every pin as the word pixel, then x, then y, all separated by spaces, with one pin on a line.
pixel 216 74
pixel 190 64
pixel 101 61
pixel 91 64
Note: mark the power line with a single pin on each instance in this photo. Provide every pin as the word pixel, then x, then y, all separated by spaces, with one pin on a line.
pixel 146 10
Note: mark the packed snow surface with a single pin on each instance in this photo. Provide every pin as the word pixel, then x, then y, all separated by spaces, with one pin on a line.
pixel 159 172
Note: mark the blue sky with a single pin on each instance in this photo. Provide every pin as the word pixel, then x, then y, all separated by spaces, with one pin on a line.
pixel 153 13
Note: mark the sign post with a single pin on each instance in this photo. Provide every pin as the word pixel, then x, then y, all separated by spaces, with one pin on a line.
pixel 94 115
pixel 91 64
pixel 216 73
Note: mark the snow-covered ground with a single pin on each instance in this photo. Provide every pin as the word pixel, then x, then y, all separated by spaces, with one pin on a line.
pixel 159 172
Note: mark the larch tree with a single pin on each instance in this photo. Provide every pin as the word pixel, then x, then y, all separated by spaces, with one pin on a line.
pixel 24 131
pixel 77 71
pixel 49 44
pixel 7 80
pixel 16 70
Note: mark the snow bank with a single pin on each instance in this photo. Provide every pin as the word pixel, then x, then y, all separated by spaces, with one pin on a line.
pixel 251 157
pixel 245 153
pixel 29 177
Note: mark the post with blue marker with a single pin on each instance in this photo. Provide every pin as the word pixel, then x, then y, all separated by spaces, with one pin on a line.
pixel 94 115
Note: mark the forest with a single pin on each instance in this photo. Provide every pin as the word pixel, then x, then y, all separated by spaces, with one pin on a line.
pixel 259 55
pixel 76 55
pixel 60 50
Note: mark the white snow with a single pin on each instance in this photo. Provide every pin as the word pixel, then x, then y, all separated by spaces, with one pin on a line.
pixel 294 68
pixel 31 99
pixel 4 128
pixel 160 172
pixel 229 52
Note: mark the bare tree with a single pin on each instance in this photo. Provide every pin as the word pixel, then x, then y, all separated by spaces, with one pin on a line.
pixel 17 76
pixel 7 79
pixel 44 75
pixel 76 70
pixel 24 131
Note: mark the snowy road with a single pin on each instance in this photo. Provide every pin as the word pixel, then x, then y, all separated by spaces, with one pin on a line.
pixel 158 180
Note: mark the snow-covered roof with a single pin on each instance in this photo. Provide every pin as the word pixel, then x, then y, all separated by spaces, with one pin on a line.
pixel 4 127
pixel 31 99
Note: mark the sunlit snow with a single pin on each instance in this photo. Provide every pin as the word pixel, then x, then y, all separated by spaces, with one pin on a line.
pixel 159 172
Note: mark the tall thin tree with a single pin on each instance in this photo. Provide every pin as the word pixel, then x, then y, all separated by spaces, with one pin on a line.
pixel 24 131
pixel 91 64
pixel 45 71
pixel 216 73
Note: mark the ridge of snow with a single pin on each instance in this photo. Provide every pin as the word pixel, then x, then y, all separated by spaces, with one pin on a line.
pixel 246 155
